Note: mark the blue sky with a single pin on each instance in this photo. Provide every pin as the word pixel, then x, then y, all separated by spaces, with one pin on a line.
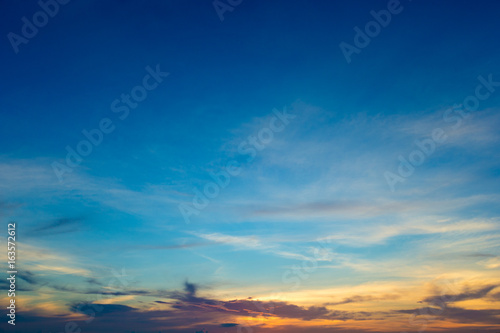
pixel 315 194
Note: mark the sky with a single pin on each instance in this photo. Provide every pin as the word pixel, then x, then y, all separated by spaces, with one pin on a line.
pixel 251 166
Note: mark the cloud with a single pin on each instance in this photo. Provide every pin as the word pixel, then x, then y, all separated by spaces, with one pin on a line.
pixel 178 246
pixel 239 242
pixel 58 226
pixel 358 209
pixel 495 296
pixel 463 296
pixel 291 255
pixel 93 281
pixel 187 311
pixel 332 208
pixel 190 288
pixel 480 130
pixel 22 179
pixel 266 308
pixel 368 234
pixel 491 263
pixel 190 302
pixel 100 309
pixel 440 308
pixel 28 277
pixel 255 243
pixel 459 315
pixel 64 270
pixel 368 298
pixel 188 308
pixel 480 255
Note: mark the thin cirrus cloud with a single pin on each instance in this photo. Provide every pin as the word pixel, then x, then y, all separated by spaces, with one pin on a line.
pixel 256 243
pixel 348 178
pixel 241 242
pixel 57 226
pixel 366 235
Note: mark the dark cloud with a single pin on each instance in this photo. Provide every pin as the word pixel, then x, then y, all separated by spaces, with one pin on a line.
pixel 99 309
pixel 480 255
pixel 466 295
pixel 28 277
pixel 93 281
pixel 495 296
pixel 359 299
pixel 154 323
pixel 190 288
pixel 58 226
pixel 440 308
pixel 120 293
pixel 104 292
pixel 189 302
pixel 111 319
pixel 472 316
pixel 456 314
pixel 188 312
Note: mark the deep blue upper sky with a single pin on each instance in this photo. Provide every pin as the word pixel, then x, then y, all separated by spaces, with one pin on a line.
pixel 224 73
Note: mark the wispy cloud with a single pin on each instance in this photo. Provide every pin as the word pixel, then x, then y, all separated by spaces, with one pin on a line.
pixel 364 298
pixel 57 226
pixel 238 242
pixel 63 270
